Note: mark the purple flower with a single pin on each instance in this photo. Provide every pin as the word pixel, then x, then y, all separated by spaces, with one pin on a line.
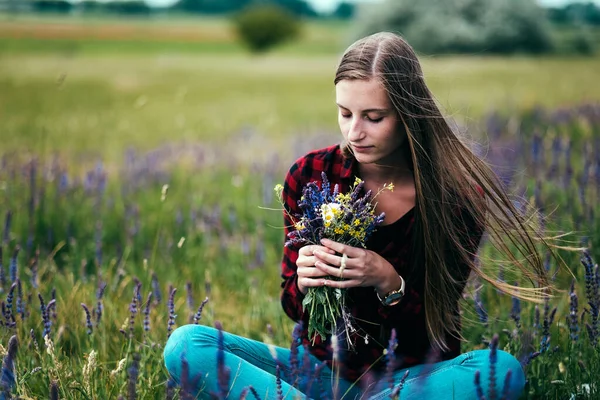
pixel 156 288
pixel 2 275
pixel 88 318
pixel 223 371
pixel 45 318
pixel 198 314
pixel 7 378
pixel 172 314
pixel 13 266
pixel 390 364
pixel 99 305
pixel 7 223
pixel 147 313
pixel 493 361
pixel 53 390
pixel 132 376
pixel 572 320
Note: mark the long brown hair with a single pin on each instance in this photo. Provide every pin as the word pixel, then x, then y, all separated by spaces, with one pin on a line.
pixel 447 174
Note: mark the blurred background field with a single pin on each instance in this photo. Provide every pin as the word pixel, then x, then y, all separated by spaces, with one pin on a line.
pixel 100 110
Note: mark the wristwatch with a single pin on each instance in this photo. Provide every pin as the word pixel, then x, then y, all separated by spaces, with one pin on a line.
pixel 394 297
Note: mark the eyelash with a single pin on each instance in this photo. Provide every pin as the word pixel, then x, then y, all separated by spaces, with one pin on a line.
pixel 375 120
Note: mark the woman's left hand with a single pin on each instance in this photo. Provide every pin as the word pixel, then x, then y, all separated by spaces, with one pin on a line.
pixel 361 267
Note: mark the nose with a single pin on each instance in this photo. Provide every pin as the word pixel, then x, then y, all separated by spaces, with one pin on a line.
pixel 355 130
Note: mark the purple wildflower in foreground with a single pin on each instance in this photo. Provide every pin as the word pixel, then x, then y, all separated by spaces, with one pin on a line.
pixel 20 303
pixel 147 313
pixel 223 371
pixel 156 288
pixel 396 392
pixel 185 392
pixel 88 318
pixel 99 306
pixel 132 377
pixel 45 318
pixel 547 323
pixel 592 294
pixel 390 356
pixel 7 224
pixel 170 392
pixel 515 312
pixel 133 308
pixel 9 301
pixel 2 275
pixel 53 390
pixel 572 322
pixel 7 378
pixel 493 361
pixel 294 361
pixel 13 267
pixel 172 314
pixel 198 314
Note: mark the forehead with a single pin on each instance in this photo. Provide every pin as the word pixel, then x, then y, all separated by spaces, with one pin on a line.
pixel 361 94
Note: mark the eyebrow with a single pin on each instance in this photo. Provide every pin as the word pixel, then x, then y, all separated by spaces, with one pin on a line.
pixel 379 110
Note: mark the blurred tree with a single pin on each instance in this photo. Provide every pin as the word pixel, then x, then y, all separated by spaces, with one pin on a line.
pixel 456 26
pixel 296 7
pixel 344 11
pixel 211 6
pixel 53 6
pixel 264 26
pixel 128 7
pixel 575 14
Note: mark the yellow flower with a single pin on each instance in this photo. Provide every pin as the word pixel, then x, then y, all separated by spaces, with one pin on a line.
pixel 299 225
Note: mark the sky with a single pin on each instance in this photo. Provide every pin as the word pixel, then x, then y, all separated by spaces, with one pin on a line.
pixel 329 5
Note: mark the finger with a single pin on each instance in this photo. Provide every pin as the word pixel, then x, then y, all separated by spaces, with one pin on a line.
pixel 309 250
pixel 329 258
pixel 334 271
pixel 310 282
pixel 310 272
pixel 340 284
pixel 341 248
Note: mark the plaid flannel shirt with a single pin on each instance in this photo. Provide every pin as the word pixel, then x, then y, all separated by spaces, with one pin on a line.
pixel 394 243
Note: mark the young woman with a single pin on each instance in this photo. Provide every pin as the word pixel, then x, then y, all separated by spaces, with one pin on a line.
pixel 412 274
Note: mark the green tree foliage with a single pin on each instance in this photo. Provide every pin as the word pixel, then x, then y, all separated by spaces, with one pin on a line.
pixel 575 13
pixel 128 7
pixel 457 26
pixel 211 6
pixel 262 27
pixel 344 10
pixel 52 6
pixel 296 7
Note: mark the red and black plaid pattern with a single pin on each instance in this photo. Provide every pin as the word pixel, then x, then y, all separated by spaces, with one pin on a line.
pixel 394 243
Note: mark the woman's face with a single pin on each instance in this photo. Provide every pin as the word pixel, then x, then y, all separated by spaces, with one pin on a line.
pixel 368 121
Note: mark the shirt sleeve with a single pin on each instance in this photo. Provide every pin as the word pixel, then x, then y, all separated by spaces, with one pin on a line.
pixel 291 296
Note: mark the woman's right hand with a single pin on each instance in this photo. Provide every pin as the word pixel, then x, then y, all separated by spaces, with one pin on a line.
pixel 308 274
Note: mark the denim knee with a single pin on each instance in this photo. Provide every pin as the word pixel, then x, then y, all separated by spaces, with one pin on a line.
pixel 507 362
pixel 187 341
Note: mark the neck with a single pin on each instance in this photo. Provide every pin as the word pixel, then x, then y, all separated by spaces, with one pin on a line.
pixel 383 172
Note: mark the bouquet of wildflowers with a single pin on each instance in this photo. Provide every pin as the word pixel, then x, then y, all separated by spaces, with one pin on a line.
pixel 345 218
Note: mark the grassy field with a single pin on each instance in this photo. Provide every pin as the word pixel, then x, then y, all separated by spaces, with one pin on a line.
pixel 97 115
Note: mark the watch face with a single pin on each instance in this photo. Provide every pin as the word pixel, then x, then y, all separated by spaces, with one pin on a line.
pixel 393 297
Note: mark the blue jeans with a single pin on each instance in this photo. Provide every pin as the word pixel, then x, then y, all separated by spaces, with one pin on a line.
pixel 251 363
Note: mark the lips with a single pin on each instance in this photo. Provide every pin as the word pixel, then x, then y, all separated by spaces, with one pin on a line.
pixel 361 149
